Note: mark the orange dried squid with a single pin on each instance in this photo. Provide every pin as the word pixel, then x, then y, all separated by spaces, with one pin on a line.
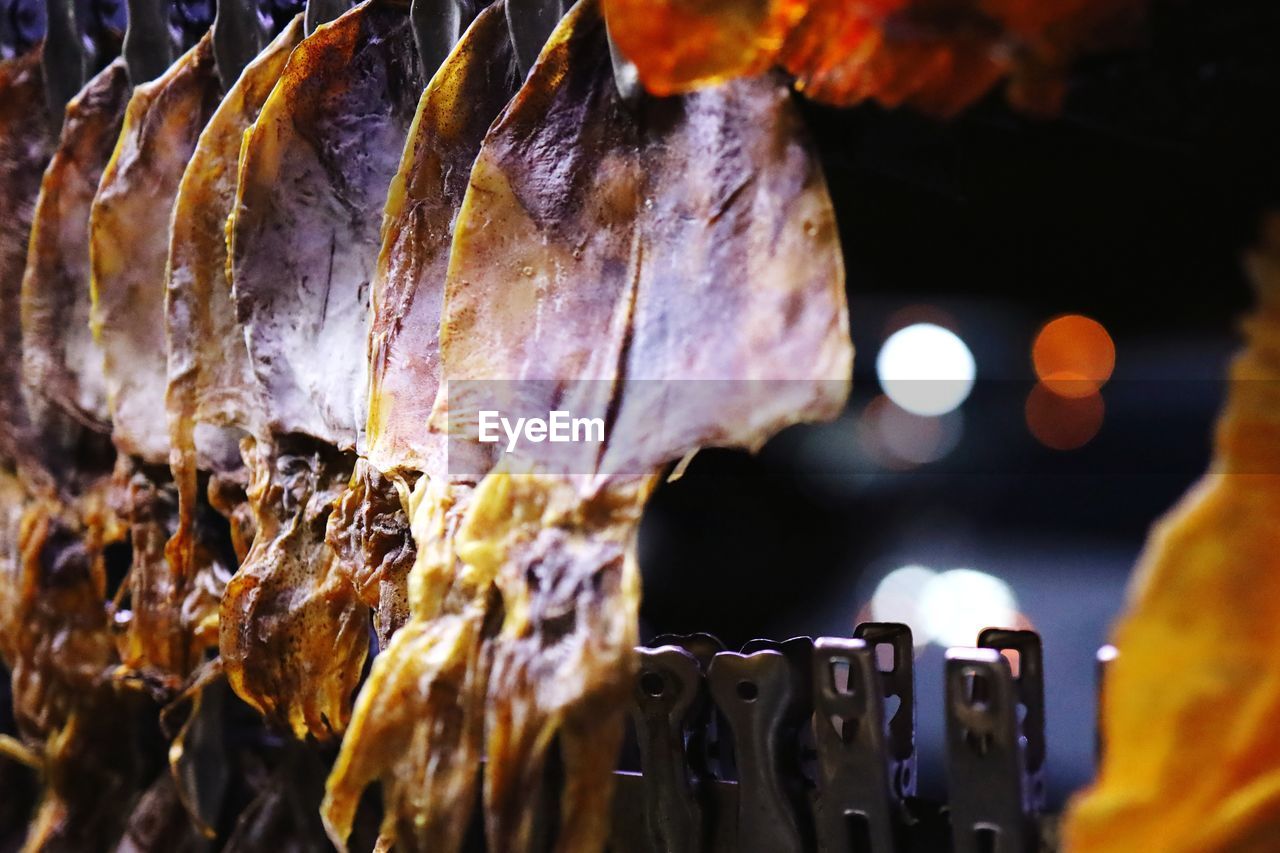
pixel 938 57
pixel 1192 759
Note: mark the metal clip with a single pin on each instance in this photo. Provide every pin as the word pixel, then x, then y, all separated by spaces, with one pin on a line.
pixel 899 682
pixel 856 808
pixel 1029 686
pixel 669 693
pixel 761 696
pixel 989 811
pixel 706 751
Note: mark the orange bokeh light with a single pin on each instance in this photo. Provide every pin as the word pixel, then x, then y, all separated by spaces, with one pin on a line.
pixel 1061 422
pixel 1073 356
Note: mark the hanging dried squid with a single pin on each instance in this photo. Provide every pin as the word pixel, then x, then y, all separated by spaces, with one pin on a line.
pixel 603 249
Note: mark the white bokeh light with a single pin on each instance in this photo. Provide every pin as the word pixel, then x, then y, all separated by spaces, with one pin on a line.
pixel 926 369
pixel 956 605
pixel 898 597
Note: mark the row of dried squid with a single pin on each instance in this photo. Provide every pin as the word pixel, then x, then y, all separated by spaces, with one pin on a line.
pixel 236 556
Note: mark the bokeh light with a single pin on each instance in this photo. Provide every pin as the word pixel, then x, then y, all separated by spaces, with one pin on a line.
pixel 1073 355
pixel 1063 423
pixel 898 597
pixel 926 369
pixel 947 608
pixel 898 439
pixel 956 605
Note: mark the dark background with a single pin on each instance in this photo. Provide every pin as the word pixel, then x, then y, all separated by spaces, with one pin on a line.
pixel 1135 208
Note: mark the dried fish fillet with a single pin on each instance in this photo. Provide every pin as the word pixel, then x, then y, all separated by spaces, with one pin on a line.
pixel 129 244
pixel 61 363
pixel 1190 762
pixel 26 145
pixel 936 57
pixel 572 274
pixel 304 238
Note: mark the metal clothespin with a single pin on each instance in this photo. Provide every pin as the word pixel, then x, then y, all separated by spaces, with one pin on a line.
pixel 762 697
pixel 899 682
pixel 990 808
pixel 63 60
pixel 708 755
pixel 856 805
pixel 1029 687
pixel 530 23
pixel 148 44
pixel 669 694
pixel 237 38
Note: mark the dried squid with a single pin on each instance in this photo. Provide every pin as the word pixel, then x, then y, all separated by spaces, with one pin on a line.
pixel 26 144
pixel 936 57
pixel 61 362
pixel 1191 755
pixel 304 240
pixel 603 249
pixel 212 397
pixel 170 610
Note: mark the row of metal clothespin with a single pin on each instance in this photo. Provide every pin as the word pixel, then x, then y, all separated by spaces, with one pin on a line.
pixel 808 745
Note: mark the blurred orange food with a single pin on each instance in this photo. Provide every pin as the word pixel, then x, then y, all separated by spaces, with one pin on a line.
pixel 937 57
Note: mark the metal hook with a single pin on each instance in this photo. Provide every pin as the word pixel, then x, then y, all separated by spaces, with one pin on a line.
pixel 148 45
pixel 63 59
